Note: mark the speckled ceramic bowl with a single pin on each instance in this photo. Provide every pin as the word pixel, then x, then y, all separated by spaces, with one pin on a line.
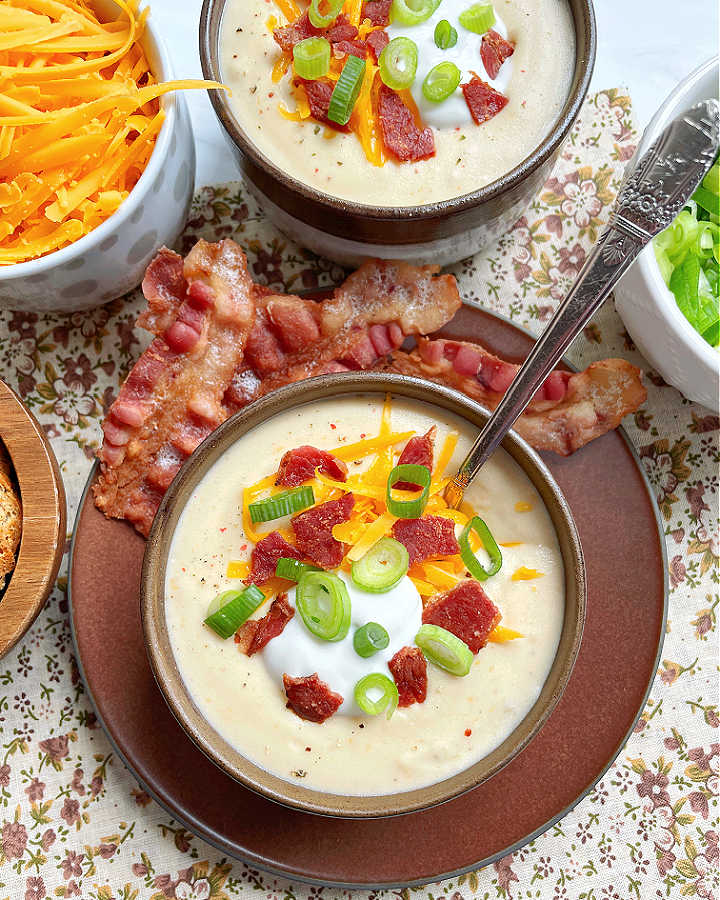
pixel 160 651
pixel 112 259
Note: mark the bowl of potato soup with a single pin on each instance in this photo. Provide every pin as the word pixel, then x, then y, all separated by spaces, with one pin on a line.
pixel 328 631
pixel 413 129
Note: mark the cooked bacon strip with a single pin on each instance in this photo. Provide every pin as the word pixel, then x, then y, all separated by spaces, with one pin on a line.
pixel 378 11
pixel 483 101
pixel 494 50
pixel 409 669
pixel 318 96
pixel 255 634
pixel 417 452
pixel 377 41
pixel 265 556
pixel 172 399
pixel 400 133
pixel 466 611
pixel 570 409
pixel 289 35
pixel 298 465
pixel 313 531
pixel 165 288
pixel 310 698
pixel 426 537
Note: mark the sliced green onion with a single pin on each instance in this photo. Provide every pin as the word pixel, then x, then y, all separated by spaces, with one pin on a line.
pixel 387 701
pixel 293 569
pixel 282 504
pixel 408 509
pixel 711 182
pixel 412 12
pixel 444 649
pixel 398 63
pixel 346 90
pixel 312 57
pixel 477 525
pixel 707 200
pixel 370 638
pixel 441 82
pixel 694 295
pixel 445 35
pixel 478 18
pixel 230 609
pixel 323 20
pixel 323 602
pixel 382 567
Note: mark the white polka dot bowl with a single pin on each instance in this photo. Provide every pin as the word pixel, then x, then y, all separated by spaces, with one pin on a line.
pixel 647 307
pixel 111 260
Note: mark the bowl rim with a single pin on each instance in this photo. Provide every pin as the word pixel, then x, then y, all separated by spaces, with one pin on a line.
pixel 178 698
pixel 553 140
pixel 663 297
pixel 152 41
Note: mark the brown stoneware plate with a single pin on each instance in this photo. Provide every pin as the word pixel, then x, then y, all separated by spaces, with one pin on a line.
pixel 622 641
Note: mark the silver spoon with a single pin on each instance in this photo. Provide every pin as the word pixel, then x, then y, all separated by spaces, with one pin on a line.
pixel 656 189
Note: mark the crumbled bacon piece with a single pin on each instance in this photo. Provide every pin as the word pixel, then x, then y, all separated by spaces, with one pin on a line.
pixel 483 101
pixel 310 698
pixel 409 669
pixel 299 465
pixel 352 48
pixel 494 50
pixel 318 95
pixel 401 135
pixel 378 11
pixel 417 452
pixel 341 30
pixel 426 537
pixel 255 634
pixel 265 555
pixel 313 531
pixel 289 35
pixel 377 41
pixel 466 611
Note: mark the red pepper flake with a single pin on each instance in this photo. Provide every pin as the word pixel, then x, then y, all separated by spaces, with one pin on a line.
pixel 363 436
pixel 308 749
pixel 223 530
pixel 333 426
pixel 468 732
pixel 244 547
pixel 183 568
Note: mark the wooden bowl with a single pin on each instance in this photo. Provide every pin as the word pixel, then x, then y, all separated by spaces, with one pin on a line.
pixel 42 542
pixel 167 673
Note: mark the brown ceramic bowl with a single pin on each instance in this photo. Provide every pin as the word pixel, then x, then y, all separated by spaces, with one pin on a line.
pixel 441 232
pixel 156 633
pixel 42 542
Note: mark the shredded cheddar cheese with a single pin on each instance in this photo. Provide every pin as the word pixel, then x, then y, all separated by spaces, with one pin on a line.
pixel 525 574
pixel 79 118
pixel 238 568
pixel 500 635
pixel 521 506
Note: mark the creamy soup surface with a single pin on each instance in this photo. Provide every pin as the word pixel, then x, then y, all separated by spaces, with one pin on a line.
pixel 462 719
pixel 536 79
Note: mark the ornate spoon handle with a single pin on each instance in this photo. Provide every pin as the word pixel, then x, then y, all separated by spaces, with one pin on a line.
pixel 655 191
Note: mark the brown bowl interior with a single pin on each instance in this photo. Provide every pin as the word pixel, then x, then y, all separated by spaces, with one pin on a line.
pixel 161 655
pixel 42 542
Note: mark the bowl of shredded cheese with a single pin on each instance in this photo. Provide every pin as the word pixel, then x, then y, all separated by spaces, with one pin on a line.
pixel 97 159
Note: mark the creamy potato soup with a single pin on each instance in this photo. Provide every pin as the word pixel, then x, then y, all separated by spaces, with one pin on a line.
pixel 449 154
pixel 464 716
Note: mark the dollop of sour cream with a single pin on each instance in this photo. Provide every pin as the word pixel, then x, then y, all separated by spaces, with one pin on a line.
pixel 453 112
pixel 297 652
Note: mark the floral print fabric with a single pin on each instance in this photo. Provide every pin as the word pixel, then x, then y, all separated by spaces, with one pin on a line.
pixel 73 821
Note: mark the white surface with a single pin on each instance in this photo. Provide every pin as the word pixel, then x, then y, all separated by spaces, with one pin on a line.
pixel 647 45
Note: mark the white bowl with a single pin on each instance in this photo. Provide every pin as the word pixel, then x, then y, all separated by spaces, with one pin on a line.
pixel 112 259
pixel 660 331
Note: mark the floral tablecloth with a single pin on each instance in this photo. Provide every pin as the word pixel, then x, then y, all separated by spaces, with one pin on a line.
pixel 74 822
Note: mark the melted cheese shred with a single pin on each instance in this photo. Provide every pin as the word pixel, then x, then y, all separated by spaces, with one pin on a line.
pixel 79 118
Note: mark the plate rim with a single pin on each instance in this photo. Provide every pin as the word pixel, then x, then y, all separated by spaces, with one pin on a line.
pixel 215 840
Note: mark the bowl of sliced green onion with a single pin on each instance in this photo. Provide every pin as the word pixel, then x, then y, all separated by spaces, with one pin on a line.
pixel 669 299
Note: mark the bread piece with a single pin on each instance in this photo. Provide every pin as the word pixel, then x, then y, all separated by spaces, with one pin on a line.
pixel 10 518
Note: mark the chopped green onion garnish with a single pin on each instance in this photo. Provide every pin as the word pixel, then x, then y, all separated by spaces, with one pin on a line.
pixel 444 649
pixel 293 569
pixel 323 20
pixel 382 567
pixel 700 307
pixel 387 700
pixel 370 638
pixel 478 18
pixel 412 12
pixel 323 602
pixel 282 504
pixel 230 609
pixel 445 35
pixel 707 200
pixel 346 90
pixel 398 63
pixel 312 57
pixel 408 509
pixel 441 82
pixel 477 525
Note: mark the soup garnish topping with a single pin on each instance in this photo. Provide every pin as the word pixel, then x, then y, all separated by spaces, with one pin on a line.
pixel 370 638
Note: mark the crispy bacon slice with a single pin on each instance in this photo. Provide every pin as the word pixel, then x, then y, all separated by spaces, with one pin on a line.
pixel 352 48
pixel 494 50
pixel 483 101
pixel 342 30
pixel 466 611
pixel 172 399
pixel 313 531
pixel 378 11
pixel 400 132
pixel 289 35
pixel 255 634
pixel 299 465
pixel 318 95
pixel 265 556
pixel 310 698
pixel 417 452
pixel 409 669
pixel 426 537
pixel 570 409
pixel 377 41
